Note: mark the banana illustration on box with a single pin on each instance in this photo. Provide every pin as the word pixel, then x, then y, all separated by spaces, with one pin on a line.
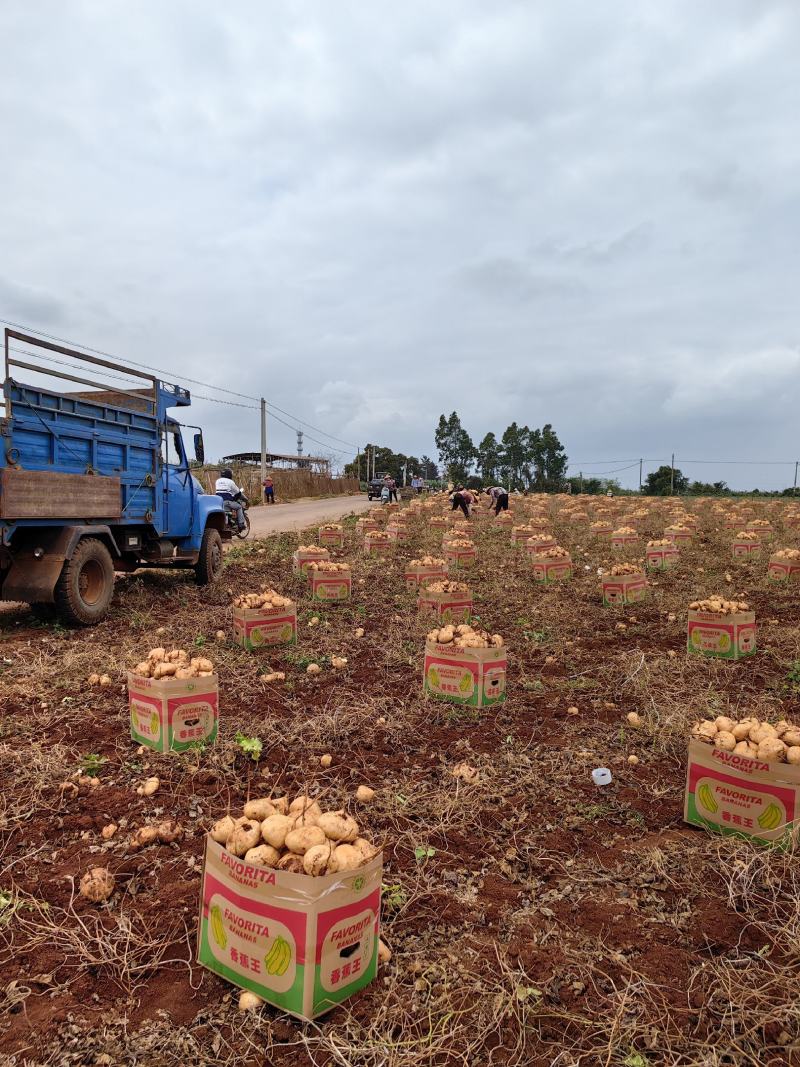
pixel 257 636
pixel 770 818
pixel 154 723
pixel 218 927
pixel 433 677
pixel 706 798
pixel 278 958
pixel 465 685
pixel 286 632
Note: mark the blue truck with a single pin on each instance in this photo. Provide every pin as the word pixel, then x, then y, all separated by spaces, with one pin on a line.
pixel 95 481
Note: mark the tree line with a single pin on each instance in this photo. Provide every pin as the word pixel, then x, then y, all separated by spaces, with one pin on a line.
pixel 523 459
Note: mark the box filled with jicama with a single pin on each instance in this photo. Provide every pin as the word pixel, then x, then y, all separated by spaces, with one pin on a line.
pixel 724 629
pixel 330 581
pixel 785 563
pixel 448 601
pixel 428 568
pixel 743 778
pixel 551 565
pixel 305 554
pixel 332 533
pixel 173 701
pixel 290 905
pixel 661 554
pixel 263 619
pixel 465 666
pixel 624 583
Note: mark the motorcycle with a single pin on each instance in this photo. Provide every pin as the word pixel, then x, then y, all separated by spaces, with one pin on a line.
pixel 231 525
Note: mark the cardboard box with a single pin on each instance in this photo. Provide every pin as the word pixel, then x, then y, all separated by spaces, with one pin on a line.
pixel 520 534
pixel 364 526
pixel 547 569
pixel 376 546
pixel 415 576
pixel 300 560
pixel 505 518
pixel 437 522
pixel 303 944
pixel 447 607
pixel 259 627
pixel 783 569
pixel 734 794
pixel 765 533
pixel 397 532
pixel 173 714
pixel 746 547
pixel 661 557
pixel 534 548
pixel 624 540
pixel 459 557
pixel 623 589
pixel 679 537
pixel 603 532
pixel 331 587
pixel 721 636
pixel 332 536
pixel 473 676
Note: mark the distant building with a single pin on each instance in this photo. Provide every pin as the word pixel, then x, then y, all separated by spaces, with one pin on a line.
pixel 277 461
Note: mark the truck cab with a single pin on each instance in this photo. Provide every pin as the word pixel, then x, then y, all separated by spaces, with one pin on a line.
pixel 95 481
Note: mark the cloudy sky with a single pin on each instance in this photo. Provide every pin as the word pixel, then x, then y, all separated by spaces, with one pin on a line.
pixel 370 213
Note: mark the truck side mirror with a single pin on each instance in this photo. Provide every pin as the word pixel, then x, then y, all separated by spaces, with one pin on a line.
pixel 199 450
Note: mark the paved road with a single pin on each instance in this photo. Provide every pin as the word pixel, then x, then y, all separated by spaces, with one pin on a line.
pixel 265 520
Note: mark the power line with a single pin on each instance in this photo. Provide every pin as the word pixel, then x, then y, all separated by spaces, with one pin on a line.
pixel 193 381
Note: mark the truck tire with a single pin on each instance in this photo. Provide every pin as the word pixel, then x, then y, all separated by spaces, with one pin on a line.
pixel 209 563
pixel 85 586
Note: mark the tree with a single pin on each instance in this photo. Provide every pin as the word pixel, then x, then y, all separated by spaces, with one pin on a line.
pixel 553 462
pixel 709 488
pixel 489 459
pixel 658 483
pixel 456 450
pixel 386 462
pixel 515 457
pixel 428 469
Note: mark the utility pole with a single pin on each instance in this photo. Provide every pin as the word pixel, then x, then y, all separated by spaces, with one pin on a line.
pixel 640 476
pixel 580 476
pixel 795 475
pixel 263 441
pixel 672 476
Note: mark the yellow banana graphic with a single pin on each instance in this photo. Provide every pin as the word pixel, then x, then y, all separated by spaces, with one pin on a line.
pixel 286 632
pixel 256 636
pixel 278 958
pixel 706 798
pixel 433 677
pixel 154 723
pixel 465 684
pixel 218 927
pixel 770 817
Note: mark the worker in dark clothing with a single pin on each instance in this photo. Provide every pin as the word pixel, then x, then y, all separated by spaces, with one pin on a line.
pixel 462 498
pixel 499 497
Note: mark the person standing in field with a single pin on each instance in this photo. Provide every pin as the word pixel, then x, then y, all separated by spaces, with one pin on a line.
pixel 269 490
pixel 392 490
pixel 499 498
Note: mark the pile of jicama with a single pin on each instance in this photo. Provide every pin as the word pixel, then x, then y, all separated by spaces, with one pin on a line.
pixel 330 527
pixel 619 569
pixel 173 664
pixel 540 539
pixel 447 587
pixel 460 543
pixel 463 636
pixel 678 527
pixel 787 553
pixel 267 599
pixel 747 535
pixel 661 542
pixel 312 548
pixel 717 605
pixel 752 738
pixel 758 523
pixel 378 535
pixel 624 531
pixel 296 836
pixel 427 561
pixel 601 525
pixel 556 552
pixel 327 566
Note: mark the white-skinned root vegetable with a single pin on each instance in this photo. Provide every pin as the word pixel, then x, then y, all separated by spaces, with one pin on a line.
pixel 249 1001
pixel 144 836
pixel 244 837
pixel 338 826
pixel 326 760
pixel 634 719
pixel 275 828
pixel 301 840
pixel 348 857
pixel 291 862
pixel 259 809
pixel 263 855
pixel 97 885
pixel 168 830
pixel 793 755
pixel 303 804
pixel 725 740
pixel 149 787
pixel 465 772
pixel 108 831
pixel 222 829
pixel 319 859
pixel 364 794
pixel 384 952
pixel 722 722
pixel 313 668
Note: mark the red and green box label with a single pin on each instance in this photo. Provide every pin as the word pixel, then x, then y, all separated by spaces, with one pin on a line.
pixel 624 589
pixel 176 720
pixel 721 637
pixel 476 678
pixel 253 629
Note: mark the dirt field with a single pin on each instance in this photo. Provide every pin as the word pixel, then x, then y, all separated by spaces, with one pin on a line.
pixel 534 919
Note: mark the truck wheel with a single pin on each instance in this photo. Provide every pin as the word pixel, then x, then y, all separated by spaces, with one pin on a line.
pixel 85 586
pixel 209 563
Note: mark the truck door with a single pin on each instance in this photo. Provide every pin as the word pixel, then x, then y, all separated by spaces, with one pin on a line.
pixel 178 489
